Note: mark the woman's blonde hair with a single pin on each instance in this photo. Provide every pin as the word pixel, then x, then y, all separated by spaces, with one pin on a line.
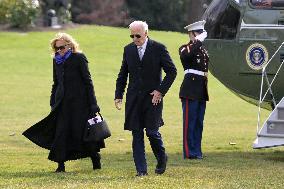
pixel 70 41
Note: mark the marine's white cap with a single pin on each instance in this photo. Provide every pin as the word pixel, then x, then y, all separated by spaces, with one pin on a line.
pixel 196 26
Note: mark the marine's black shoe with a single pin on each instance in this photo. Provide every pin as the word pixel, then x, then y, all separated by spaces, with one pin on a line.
pixel 195 157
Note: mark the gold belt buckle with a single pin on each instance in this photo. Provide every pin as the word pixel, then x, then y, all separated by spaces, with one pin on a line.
pixel 205 74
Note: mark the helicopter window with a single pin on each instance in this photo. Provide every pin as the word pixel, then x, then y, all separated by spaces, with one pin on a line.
pixel 222 20
pixel 229 23
pixel 267 3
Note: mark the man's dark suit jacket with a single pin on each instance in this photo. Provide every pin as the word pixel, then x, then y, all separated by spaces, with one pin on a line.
pixel 145 76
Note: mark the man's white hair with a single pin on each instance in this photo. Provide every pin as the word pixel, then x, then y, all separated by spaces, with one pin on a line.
pixel 142 24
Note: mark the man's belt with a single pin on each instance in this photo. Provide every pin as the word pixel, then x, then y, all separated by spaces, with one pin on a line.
pixel 197 72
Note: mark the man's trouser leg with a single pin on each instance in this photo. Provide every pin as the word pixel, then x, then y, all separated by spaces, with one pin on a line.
pixel 138 148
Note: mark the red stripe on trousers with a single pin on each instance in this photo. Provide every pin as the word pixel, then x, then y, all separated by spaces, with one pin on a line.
pixel 185 129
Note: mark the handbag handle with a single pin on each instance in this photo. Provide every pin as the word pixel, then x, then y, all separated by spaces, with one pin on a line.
pixel 101 116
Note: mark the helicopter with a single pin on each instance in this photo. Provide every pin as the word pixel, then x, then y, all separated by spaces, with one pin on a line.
pixel 246 49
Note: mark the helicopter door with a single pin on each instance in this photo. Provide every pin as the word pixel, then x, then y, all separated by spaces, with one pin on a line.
pixel 256 47
pixel 261 33
pixel 222 21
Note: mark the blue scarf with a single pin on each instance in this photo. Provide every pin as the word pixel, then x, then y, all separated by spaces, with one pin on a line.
pixel 60 59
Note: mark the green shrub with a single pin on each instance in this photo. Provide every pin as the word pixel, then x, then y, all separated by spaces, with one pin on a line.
pixel 4 10
pixel 160 14
pixel 18 13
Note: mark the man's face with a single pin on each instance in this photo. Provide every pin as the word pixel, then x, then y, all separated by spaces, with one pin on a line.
pixel 191 35
pixel 138 35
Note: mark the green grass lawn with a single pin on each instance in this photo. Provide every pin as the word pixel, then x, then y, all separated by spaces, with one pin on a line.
pixel 25 83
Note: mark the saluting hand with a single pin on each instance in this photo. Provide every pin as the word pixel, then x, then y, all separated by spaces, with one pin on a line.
pixel 118 103
pixel 157 97
pixel 201 37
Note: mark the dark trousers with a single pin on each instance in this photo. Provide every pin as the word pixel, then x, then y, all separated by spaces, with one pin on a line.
pixel 193 116
pixel 138 147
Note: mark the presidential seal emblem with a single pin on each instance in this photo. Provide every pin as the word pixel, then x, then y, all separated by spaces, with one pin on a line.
pixel 257 56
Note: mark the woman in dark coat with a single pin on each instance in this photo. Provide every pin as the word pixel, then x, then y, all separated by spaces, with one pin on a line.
pixel 72 102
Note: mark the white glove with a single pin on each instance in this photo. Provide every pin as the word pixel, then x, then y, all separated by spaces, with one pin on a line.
pixel 201 36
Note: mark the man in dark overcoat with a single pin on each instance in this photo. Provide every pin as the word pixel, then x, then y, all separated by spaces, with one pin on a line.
pixel 143 61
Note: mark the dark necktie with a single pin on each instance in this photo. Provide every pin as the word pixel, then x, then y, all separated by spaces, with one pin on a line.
pixel 140 53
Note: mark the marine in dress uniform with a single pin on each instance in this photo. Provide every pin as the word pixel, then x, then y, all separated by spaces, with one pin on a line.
pixel 193 91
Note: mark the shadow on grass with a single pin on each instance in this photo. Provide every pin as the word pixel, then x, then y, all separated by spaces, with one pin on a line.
pixel 26 174
pixel 230 159
pixel 100 176
pixel 121 166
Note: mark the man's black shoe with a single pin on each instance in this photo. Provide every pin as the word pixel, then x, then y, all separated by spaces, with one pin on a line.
pixel 141 174
pixel 161 166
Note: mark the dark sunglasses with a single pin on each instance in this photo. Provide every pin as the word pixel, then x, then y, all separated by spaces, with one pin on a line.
pixel 136 35
pixel 60 47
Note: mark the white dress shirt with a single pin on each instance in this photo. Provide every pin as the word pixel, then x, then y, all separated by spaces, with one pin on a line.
pixel 143 47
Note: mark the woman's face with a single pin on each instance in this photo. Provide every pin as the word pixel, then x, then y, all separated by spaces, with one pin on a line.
pixel 61 47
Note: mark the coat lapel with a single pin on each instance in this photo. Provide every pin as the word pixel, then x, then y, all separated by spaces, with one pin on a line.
pixel 148 51
pixel 134 53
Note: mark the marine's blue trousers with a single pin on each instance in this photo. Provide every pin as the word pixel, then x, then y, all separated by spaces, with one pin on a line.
pixel 193 116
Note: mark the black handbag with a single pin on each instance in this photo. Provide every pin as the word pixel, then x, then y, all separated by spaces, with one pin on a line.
pixel 96 131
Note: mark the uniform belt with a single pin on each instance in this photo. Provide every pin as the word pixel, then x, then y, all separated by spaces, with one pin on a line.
pixel 197 72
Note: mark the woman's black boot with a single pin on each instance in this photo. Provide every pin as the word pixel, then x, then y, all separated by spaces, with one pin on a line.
pixel 61 167
pixel 96 160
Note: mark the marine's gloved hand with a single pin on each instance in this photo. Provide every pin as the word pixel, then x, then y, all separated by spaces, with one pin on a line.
pixel 202 36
